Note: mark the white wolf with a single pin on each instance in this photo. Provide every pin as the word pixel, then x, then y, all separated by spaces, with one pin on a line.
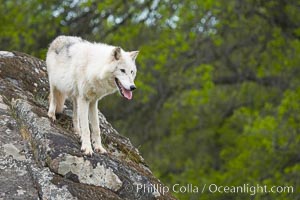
pixel 86 72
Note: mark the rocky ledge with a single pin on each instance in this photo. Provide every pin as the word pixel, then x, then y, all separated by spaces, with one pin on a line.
pixel 41 159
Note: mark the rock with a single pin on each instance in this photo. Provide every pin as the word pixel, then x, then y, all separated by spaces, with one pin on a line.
pixel 14 174
pixel 40 159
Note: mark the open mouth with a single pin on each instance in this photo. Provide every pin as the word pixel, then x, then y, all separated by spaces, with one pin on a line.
pixel 123 91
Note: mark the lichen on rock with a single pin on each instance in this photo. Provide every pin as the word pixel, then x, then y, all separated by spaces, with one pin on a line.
pixel 86 173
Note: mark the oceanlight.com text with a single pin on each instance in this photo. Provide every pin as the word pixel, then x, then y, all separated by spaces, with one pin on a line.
pixel 250 189
pixel 212 188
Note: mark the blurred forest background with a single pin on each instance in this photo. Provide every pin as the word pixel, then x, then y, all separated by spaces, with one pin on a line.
pixel 218 82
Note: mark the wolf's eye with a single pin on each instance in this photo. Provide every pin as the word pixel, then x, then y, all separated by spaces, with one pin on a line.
pixel 131 71
pixel 122 70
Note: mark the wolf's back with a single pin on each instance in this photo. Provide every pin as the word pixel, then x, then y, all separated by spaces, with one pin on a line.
pixel 63 43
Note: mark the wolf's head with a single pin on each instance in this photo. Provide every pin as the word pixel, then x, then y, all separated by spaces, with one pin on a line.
pixel 124 71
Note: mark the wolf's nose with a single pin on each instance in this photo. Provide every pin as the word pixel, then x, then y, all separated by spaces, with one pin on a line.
pixel 132 87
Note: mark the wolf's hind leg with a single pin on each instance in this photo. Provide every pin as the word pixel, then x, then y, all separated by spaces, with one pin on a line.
pixel 94 119
pixel 57 101
pixel 76 126
pixel 52 103
pixel 60 101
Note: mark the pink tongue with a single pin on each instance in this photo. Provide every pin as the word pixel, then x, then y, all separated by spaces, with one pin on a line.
pixel 127 93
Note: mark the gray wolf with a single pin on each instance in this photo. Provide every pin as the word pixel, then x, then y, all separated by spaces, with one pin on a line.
pixel 85 72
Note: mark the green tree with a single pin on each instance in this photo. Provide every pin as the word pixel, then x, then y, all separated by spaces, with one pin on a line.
pixel 218 82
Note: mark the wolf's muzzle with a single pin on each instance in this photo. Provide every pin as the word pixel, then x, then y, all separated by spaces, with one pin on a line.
pixel 132 87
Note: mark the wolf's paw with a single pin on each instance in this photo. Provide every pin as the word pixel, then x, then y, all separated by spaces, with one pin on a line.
pixel 51 115
pixel 98 146
pixel 87 150
pixel 100 149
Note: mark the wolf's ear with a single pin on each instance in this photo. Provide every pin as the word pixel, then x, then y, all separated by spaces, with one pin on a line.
pixel 116 53
pixel 133 54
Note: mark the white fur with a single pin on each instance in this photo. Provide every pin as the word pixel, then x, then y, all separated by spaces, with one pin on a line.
pixel 85 72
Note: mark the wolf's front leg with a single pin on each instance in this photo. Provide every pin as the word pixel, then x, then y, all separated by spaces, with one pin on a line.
pixel 94 119
pixel 83 109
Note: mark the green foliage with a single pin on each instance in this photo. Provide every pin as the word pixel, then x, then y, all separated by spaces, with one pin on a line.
pixel 218 83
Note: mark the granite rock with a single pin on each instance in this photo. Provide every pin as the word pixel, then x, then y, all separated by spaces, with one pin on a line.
pixel 41 159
